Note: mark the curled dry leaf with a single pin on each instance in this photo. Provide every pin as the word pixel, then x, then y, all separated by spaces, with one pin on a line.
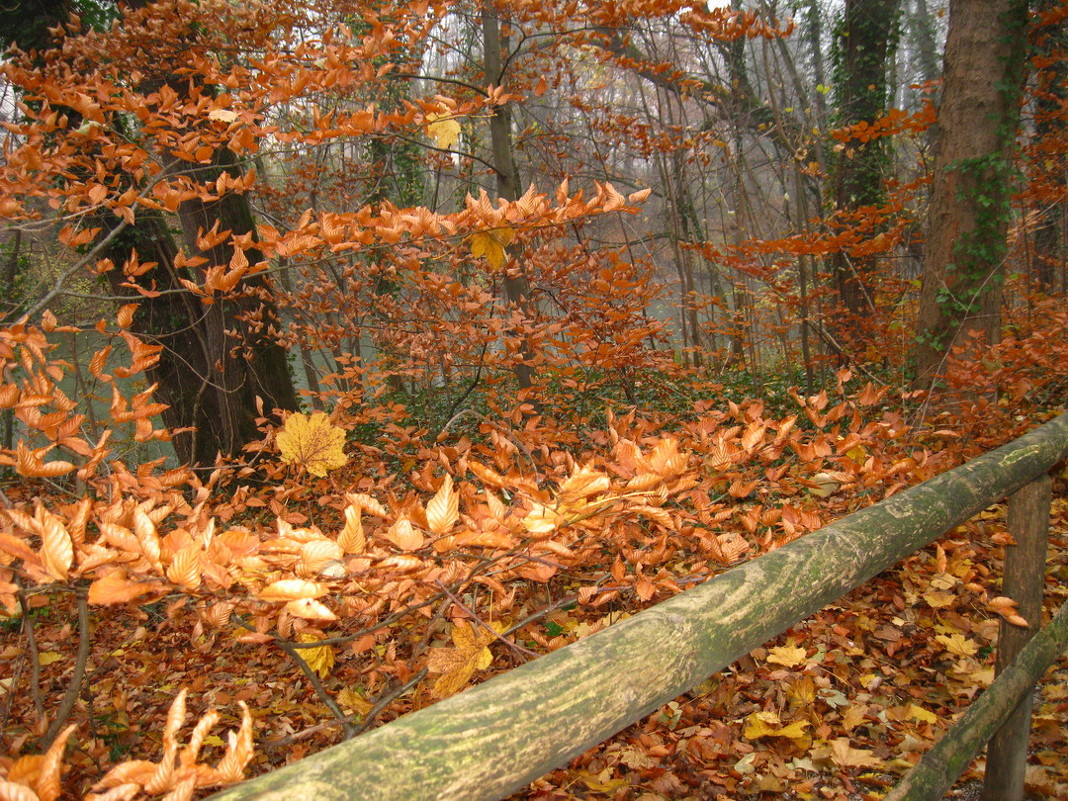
pixel 57 549
pixel 351 538
pixel 48 781
pixel 1007 608
pixel 317 555
pixel 116 588
pixel 404 535
pixel 443 510
pixel 309 609
pixel 291 590
pixel 366 503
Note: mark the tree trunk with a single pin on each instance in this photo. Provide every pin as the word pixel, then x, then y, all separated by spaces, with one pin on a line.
pixel 866 43
pixel 1051 247
pixel 516 286
pixel 213 363
pixel 969 207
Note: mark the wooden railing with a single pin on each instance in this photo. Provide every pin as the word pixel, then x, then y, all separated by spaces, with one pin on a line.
pixel 496 738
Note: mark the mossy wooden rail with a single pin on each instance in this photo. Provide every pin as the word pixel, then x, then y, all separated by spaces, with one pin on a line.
pixel 499 736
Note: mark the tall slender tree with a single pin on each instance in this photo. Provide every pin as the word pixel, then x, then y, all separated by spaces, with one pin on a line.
pixel 864 51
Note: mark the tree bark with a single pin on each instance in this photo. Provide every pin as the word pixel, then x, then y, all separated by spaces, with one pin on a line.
pixel 969 207
pixel 866 44
pixel 1051 237
pixel 515 284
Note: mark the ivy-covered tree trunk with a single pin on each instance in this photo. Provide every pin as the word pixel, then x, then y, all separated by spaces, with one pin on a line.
pixel 237 357
pixel 866 40
pixel 217 358
pixel 214 363
pixel 1051 236
pixel 969 207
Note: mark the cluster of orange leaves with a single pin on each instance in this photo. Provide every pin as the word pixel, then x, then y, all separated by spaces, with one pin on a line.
pixel 629 512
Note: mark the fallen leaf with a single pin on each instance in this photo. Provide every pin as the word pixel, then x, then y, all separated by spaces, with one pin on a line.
pixel 787 655
pixel 312 441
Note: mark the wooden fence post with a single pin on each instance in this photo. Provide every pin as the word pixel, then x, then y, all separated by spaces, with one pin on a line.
pixel 1025 579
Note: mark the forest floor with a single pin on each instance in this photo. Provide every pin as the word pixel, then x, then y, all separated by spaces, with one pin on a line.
pixel 840 706
pixel 837 707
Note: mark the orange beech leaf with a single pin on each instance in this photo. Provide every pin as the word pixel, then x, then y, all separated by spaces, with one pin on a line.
pixel 178 773
pixel 404 535
pixel 57 548
pixel 291 590
pixel 319 556
pixel 661 516
pixel 125 315
pixel 145 532
pixel 488 475
pixel 9 396
pixel 13 791
pixel 401 562
pixel 17 546
pixel 542 520
pixel 28 463
pixel 486 539
pixel 120 537
pixel 443 509
pixel 666 459
pixel 351 538
pixel 583 482
pixel 1007 608
pixel 239 751
pixel 643 482
pixel 184 569
pixel 116 588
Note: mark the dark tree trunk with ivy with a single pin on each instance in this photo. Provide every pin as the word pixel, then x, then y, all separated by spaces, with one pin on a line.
pixel 986 52
pixel 214 362
pixel 865 45
pixel 218 358
pixel 1051 236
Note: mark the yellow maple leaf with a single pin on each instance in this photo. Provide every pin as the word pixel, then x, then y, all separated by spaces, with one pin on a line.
pixel 787 655
pixel 958 644
pixel 847 756
pixel 457 665
pixel 312 441
pixel 351 698
pixel 320 659
pixel 767 724
pixel 491 244
pixel 923 715
pixel 443 129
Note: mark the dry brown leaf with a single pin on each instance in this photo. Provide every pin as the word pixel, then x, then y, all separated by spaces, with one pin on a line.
pixel 443 509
